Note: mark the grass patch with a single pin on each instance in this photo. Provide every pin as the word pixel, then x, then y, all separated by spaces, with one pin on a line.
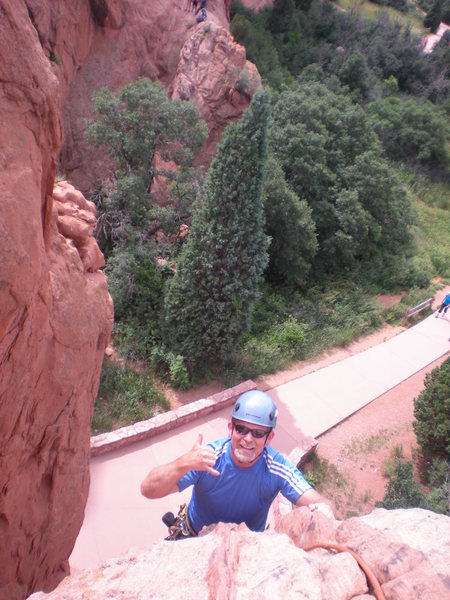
pixel 288 328
pixel 320 473
pixel 367 444
pixel 390 464
pixel 331 482
pixel 366 497
pixel 431 237
pixel 431 199
pixel 372 11
pixel 124 397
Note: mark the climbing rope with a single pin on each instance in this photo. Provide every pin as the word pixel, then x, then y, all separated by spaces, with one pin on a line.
pixel 373 581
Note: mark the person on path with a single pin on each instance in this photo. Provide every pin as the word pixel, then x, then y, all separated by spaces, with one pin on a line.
pixel 236 479
pixel 444 306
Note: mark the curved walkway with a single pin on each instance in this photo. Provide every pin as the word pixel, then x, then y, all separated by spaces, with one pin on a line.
pixel 118 518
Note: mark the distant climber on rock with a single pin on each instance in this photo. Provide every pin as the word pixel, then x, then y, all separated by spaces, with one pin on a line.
pixel 235 479
pixel 190 5
pixel 201 9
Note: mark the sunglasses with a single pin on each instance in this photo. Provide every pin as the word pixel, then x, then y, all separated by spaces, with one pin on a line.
pixel 256 433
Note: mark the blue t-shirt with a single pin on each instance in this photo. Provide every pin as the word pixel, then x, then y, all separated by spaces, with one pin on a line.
pixel 241 495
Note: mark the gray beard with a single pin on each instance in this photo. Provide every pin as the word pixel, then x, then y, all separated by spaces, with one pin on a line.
pixel 243 457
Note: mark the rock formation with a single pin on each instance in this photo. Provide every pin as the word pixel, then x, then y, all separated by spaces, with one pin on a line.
pixel 55 322
pixel 214 73
pixel 55 310
pixel 118 41
pixel 406 551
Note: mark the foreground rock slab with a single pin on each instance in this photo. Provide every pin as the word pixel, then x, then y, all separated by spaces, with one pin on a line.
pixel 230 562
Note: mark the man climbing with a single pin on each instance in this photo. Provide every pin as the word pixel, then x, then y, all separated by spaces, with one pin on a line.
pixel 236 479
pixel 201 9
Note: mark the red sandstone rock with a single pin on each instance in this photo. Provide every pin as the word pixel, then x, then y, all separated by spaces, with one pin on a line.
pixel 76 221
pixel 306 528
pixel 213 72
pixel 55 310
pixel 55 321
pixel 157 39
pixel 387 559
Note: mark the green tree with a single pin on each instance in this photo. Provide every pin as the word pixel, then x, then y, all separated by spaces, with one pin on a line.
pixel 433 17
pixel 355 73
pixel 291 229
pixel 260 49
pixel 282 16
pixel 208 302
pixel 134 126
pixel 411 131
pixel 136 285
pixel 432 413
pixel 332 158
pixel 402 491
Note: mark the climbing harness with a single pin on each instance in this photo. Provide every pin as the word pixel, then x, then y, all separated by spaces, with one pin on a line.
pixel 179 526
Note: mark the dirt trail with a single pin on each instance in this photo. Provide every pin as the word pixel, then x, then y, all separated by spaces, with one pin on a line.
pixel 361 447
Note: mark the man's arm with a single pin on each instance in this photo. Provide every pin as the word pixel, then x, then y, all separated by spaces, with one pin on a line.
pixel 162 480
pixel 315 501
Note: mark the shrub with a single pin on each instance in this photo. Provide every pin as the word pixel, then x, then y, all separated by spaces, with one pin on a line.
pixel 170 367
pixel 432 413
pixel 411 130
pixel 438 500
pixel 136 285
pixel 124 397
pixel 402 491
pixel 438 472
pixel 208 301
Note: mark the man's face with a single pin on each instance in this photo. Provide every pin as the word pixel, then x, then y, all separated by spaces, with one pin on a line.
pixel 245 447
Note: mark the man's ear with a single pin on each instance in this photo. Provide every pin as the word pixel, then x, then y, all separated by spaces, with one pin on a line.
pixel 230 428
pixel 270 437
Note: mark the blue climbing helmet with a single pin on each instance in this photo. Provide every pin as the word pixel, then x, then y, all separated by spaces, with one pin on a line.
pixel 256 407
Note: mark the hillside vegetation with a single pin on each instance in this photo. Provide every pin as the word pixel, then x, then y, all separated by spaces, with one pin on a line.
pixel 331 189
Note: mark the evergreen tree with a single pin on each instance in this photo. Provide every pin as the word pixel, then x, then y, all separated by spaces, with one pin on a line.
pixel 282 16
pixel 208 302
pixel 291 228
pixel 355 73
pixel 433 17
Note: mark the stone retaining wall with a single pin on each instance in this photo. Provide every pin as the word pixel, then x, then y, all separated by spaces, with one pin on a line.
pixel 166 421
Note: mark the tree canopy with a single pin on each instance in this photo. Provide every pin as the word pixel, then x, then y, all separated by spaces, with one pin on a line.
pixel 133 127
pixel 209 300
pixel 332 158
pixel 291 228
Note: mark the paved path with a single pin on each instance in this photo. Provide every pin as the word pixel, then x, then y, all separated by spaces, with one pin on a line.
pixel 118 518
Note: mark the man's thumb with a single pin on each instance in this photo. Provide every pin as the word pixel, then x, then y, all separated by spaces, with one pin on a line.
pixel 199 439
